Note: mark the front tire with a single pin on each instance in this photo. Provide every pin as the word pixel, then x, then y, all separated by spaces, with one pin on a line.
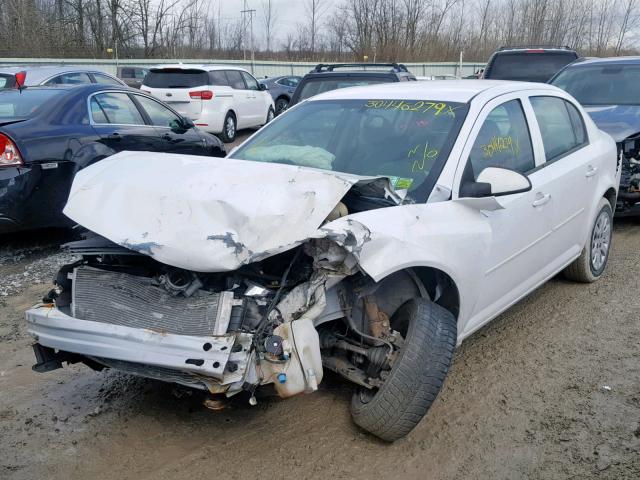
pixel 417 374
pixel 591 263
pixel 281 105
pixel 229 128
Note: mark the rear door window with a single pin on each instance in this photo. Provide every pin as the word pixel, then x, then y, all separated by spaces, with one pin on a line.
pixel 6 81
pixel 74 78
pixel 176 78
pixel 115 108
pixel 531 67
pixel 556 119
pixel 235 79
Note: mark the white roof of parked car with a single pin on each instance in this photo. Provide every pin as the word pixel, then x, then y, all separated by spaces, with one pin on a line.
pixel 444 90
pixel 201 66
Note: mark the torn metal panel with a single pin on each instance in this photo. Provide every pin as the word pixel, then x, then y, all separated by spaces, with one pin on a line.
pixel 208 214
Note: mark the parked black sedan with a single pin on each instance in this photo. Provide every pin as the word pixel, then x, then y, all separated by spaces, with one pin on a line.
pixel 47 134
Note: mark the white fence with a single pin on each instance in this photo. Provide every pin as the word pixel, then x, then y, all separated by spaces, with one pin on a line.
pixel 258 68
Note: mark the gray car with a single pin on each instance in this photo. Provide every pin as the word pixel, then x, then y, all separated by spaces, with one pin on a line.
pixel 132 75
pixel 281 90
pixel 30 76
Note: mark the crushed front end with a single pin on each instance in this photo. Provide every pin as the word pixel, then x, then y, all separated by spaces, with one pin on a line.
pixel 221 332
pixel 629 194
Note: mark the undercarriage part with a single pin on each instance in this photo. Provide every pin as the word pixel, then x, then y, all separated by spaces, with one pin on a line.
pixel 157 373
pixel 122 299
pixel 347 370
pixel 378 320
pixel 377 356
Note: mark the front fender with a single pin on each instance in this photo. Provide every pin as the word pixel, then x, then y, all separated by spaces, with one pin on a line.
pixel 450 236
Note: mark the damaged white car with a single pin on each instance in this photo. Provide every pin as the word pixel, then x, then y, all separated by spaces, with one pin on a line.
pixel 366 231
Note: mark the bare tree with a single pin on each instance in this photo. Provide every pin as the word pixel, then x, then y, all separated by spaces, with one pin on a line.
pixel 269 20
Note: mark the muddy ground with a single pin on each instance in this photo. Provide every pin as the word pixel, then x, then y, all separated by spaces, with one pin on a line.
pixel 551 389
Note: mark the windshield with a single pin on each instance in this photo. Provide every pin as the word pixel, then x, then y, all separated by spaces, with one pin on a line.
pixel 176 78
pixel 529 67
pixel 602 84
pixel 406 140
pixel 24 103
pixel 313 86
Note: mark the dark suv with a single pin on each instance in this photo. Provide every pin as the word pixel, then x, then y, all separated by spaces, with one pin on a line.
pixel 528 64
pixel 326 77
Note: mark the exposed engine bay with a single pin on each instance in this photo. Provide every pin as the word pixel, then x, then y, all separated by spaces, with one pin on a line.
pixel 629 193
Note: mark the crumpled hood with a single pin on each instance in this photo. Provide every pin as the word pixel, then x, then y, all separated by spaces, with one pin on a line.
pixel 206 214
pixel 619 121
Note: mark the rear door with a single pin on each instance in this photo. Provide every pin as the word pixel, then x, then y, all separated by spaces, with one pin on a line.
pixel 572 170
pixel 242 99
pixel 178 87
pixel 120 124
pixel 174 137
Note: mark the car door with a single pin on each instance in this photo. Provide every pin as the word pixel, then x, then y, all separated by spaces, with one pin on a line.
pixel 572 173
pixel 258 105
pixel 242 99
pixel 174 136
pixel 120 125
pixel 516 260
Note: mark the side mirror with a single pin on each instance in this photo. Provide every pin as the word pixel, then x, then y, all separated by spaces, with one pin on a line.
pixel 494 182
pixel 187 123
pixel 263 86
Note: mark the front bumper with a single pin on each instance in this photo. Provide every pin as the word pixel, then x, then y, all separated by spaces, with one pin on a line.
pixel 206 356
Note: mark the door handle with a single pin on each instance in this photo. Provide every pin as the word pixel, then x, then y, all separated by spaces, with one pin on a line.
pixel 167 137
pixel 591 171
pixel 541 199
pixel 114 136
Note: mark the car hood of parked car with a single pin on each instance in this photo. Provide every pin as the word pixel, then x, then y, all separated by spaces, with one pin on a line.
pixel 619 121
pixel 209 214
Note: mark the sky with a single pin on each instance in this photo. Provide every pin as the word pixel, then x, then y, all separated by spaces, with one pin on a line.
pixel 289 14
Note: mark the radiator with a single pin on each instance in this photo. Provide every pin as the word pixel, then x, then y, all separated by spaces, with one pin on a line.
pixel 123 299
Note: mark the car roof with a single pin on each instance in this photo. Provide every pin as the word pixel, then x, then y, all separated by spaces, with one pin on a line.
pixel 606 61
pixel 207 67
pixel 37 74
pixel 461 91
pixel 524 48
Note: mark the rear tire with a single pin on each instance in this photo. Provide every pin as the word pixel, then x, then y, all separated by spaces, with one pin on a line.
pixel 591 263
pixel 417 374
pixel 270 115
pixel 229 128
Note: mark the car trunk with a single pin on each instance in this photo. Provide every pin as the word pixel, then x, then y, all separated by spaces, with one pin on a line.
pixel 175 86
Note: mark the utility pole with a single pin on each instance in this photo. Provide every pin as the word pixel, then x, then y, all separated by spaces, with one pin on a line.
pixel 250 12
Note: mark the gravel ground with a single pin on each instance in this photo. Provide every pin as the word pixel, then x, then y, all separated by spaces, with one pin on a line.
pixel 550 389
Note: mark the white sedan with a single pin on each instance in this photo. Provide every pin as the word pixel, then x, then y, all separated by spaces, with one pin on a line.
pixel 366 231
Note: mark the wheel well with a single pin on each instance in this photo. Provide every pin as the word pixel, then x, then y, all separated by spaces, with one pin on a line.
pixel 283 97
pixel 440 287
pixel 232 113
pixel 610 195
